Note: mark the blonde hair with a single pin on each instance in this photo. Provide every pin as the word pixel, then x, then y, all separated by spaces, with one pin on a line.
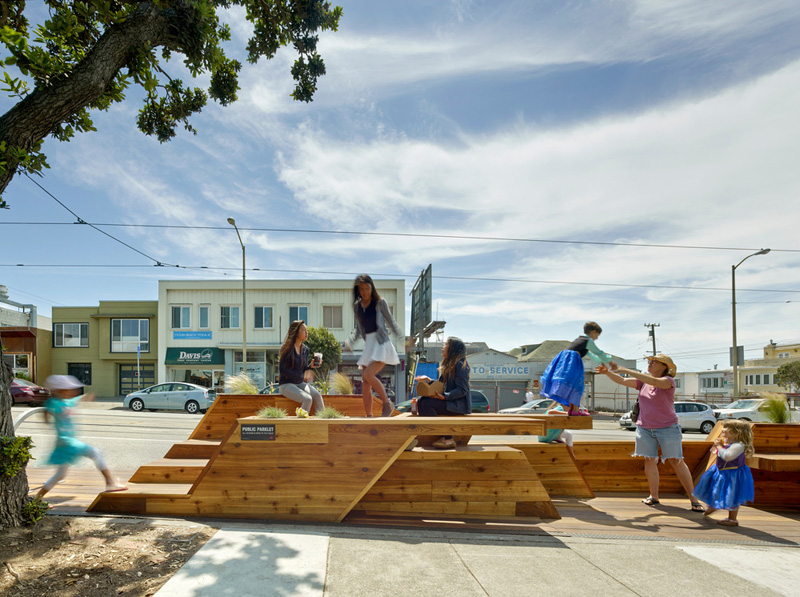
pixel 742 432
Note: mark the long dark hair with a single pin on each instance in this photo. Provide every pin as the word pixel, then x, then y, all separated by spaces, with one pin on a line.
pixel 291 337
pixel 365 279
pixel 456 351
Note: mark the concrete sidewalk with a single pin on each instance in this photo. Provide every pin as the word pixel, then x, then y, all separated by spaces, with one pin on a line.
pixel 245 559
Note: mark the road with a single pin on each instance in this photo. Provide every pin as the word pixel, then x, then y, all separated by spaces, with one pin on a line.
pixel 128 440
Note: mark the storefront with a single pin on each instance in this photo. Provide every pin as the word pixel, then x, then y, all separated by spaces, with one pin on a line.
pixel 204 366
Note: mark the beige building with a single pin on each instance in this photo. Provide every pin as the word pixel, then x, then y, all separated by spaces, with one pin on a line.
pixel 758 375
pixel 111 348
pixel 200 333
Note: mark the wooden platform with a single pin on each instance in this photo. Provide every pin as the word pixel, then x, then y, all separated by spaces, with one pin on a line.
pixel 608 515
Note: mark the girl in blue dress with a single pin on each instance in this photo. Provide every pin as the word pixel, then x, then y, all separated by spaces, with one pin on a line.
pixel 729 482
pixel 66 391
pixel 563 380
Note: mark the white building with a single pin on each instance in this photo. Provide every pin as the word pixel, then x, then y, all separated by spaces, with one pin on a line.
pixel 200 334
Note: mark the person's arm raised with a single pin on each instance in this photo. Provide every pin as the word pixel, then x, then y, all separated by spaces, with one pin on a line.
pixel 616 378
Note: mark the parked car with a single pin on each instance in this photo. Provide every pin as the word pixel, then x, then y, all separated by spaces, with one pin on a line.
pixel 537 407
pixel 270 389
pixel 171 396
pixel 692 416
pixel 480 403
pixel 749 409
pixel 27 392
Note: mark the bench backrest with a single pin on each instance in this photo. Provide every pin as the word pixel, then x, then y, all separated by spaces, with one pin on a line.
pixel 776 438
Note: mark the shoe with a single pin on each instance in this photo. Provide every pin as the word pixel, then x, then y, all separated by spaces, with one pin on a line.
pixel 444 444
pixel 388 409
pixel 727 522
pixel 698 507
pixel 650 501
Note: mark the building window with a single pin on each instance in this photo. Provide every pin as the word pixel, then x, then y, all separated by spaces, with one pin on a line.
pixel 204 309
pixel 297 312
pixel 71 335
pixel 783 355
pixel 332 317
pixel 83 371
pixel 766 379
pixel 758 380
pixel 18 363
pixel 181 317
pixel 229 318
pixel 263 318
pixel 678 384
pixel 129 334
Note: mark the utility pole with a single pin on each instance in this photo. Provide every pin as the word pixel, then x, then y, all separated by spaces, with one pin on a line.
pixel 652 334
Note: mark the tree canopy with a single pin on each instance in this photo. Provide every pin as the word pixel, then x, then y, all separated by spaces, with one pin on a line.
pixel 788 375
pixel 322 340
pixel 87 53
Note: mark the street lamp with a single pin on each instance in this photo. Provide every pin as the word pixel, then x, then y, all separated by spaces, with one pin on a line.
pixel 735 354
pixel 232 222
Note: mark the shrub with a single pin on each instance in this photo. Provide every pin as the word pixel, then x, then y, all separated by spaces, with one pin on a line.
pixel 776 409
pixel 34 510
pixel 240 384
pixel 341 384
pixel 271 412
pixel 329 413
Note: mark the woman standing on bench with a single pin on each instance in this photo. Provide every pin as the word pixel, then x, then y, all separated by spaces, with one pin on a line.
pixel 455 398
pixel 372 318
pixel 293 364
pixel 657 425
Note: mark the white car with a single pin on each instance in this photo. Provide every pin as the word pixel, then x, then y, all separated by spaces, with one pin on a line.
pixel 749 409
pixel 692 416
pixel 171 396
pixel 536 407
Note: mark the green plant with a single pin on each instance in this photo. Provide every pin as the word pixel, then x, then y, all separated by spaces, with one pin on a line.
pixel 341 384
pixel 15 452
pixel 271 412
pixel 776 409
pixel 322 340
pixel 329 413
pixel 22 375
pixel 34 510
pixel 322 383
pixel 240 384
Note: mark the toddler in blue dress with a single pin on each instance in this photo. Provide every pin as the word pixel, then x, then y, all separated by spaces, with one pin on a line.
pixel 729 482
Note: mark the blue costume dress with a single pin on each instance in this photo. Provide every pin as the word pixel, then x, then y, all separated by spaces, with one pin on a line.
pixel 729 483
pixel 68 448
pixel 563 380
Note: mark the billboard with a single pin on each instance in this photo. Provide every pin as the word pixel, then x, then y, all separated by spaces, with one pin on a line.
pixel 421 302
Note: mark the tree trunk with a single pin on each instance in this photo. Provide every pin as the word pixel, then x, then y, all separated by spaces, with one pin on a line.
pixel 36 116
pixel 13 490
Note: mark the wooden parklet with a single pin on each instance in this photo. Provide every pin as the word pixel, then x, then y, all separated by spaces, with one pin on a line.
pixel 321 469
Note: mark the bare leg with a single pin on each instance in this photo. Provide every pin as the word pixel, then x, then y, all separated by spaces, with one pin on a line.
pixel 651 472
pixel 369 375
pixel 684 476
pixel 732 514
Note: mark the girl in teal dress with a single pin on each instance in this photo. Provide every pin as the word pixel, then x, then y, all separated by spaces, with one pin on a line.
pixel 66 395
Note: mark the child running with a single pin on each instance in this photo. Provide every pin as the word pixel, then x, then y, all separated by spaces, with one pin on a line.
pixel 66 391
pixel 729 483
pixel 564 378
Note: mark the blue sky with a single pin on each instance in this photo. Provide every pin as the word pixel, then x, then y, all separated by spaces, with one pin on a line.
pixel 636 123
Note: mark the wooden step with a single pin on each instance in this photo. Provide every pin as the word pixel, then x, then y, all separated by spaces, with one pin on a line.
pixel 194 448
pixel 170 470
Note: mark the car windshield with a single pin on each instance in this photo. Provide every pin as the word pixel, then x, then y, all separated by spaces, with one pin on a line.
pixel 743 404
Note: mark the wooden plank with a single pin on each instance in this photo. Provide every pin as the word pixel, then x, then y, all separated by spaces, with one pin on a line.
pixel 290 430
pixel 194 448
pixel 557 469
pixel 776 438
pixel 170 470
pixel 775 462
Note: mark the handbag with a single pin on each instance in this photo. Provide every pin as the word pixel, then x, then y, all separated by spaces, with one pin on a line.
pixel 635 412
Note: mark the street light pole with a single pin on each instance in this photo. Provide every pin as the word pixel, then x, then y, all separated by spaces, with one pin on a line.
pixel 735 353
pixel 232 222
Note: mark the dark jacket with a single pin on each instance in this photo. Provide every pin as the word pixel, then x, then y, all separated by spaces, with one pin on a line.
pixel 294 374
pixel 456 390
pixel 383 318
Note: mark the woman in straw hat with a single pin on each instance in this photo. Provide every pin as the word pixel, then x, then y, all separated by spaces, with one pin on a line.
pixel 657 424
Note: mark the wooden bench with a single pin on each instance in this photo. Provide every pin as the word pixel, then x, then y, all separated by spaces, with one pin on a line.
pixel 320 469
pixel 776 464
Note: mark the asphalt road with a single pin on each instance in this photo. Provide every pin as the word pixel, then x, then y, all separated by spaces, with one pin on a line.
pixel 128 440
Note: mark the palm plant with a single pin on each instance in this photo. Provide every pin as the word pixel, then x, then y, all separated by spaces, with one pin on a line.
pixel 776 409
pixel 240 384
pixel 341 384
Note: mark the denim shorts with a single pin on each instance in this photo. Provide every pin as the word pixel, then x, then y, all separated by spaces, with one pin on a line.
pixel 669 438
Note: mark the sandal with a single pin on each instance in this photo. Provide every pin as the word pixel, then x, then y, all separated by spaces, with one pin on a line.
pixel 698 507
pixel 650 501
pixel 444 444
pixel 727 522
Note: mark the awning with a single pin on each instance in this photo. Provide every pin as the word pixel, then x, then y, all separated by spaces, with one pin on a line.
pixel 194 355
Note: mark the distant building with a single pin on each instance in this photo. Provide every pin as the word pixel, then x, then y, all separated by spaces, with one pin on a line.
pixel 25 336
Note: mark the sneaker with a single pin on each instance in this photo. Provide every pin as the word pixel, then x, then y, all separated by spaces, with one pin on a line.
pixel 388 409
pixel 444 444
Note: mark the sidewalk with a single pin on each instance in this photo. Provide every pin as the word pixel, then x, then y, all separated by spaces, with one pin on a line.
pixel 245 559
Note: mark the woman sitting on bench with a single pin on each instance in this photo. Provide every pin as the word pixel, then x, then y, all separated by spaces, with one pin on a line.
pixel 455 398
pixel 295 368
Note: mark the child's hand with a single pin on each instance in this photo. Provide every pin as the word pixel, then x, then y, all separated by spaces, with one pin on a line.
pixel 613 366
pixel 422 378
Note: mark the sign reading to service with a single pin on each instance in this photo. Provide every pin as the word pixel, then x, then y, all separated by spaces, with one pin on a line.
pixel 258 432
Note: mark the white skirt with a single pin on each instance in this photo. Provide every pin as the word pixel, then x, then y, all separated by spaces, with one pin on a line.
pixel 375 351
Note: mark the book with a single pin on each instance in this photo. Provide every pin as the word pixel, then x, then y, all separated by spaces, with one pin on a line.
pixel 425 388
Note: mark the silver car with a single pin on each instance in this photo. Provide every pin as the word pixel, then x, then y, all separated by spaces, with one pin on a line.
pixel 171 396
pixel 535 407
pixel 692 416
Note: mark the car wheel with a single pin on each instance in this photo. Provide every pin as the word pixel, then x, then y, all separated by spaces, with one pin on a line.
pixel 136 405
pixel 706 427
pixel 192 407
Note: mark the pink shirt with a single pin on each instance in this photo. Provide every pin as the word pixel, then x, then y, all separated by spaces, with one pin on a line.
pixel 656 406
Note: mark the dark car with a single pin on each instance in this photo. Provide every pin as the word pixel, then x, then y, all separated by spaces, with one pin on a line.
pixel 480 403
pixel 27 392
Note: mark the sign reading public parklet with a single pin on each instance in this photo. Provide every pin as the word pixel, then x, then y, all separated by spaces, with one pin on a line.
pixel 258 431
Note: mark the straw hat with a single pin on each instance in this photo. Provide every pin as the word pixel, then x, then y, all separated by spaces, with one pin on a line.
pixel 664 359
pixel 63 382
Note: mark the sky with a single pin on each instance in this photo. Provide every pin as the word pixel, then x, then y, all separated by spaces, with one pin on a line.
pixel 555 162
